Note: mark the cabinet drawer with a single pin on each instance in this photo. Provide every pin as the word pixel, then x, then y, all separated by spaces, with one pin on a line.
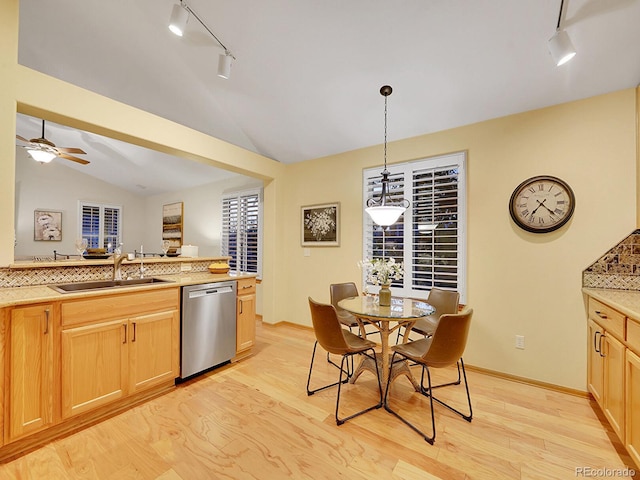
pixel 109 307
pixel 246 286
pixel 633 335
pixel 610 319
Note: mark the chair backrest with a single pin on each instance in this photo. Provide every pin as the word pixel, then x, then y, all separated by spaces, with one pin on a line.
pixel 449 339
pixel 327 328
pixel 444 301
pixel 340 291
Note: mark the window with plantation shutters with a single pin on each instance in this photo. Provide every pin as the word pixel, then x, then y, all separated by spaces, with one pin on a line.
pixel 100 224
pixel 242 230
pixel 432 257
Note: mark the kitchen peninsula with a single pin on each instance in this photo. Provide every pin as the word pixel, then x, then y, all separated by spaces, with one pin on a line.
pixel 71 359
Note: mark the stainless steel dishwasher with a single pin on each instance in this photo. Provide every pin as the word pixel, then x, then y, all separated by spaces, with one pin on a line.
pixel 208 326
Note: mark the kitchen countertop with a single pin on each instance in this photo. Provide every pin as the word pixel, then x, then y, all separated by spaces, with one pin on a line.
pixel 625 301
pixel 42 293
pixel 109 261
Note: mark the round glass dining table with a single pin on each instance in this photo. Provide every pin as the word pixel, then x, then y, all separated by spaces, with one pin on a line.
pixel 403 312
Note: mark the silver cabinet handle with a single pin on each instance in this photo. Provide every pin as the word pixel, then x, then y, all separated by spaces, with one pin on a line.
pixel 600 346
pixel 596 345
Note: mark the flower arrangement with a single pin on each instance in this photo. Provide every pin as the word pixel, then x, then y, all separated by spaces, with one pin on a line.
pixel 320 222
pixel 382 272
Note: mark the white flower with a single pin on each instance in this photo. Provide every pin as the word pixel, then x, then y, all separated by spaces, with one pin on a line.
pixel 382 272
pixel 320 222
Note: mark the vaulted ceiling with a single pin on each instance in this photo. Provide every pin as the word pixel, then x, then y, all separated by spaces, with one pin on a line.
pixel 307 76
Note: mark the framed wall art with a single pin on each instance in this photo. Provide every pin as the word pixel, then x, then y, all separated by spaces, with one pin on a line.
pixel 47 226
pixel 320 225
pixel 172 224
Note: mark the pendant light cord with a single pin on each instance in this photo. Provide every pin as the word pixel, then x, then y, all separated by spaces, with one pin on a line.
pixel 385 133
pixel 560 14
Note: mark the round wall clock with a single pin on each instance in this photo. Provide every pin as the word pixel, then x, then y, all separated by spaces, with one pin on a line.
pixel 542 204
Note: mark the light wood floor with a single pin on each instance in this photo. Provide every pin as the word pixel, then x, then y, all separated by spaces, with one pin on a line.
pixel 253 420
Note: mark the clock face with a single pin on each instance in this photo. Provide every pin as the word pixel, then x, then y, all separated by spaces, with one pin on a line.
pixel 542 204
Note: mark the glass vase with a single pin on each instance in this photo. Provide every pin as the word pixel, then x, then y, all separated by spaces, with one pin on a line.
pixel 384 295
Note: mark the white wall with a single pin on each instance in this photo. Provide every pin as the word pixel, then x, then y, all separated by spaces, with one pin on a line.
pixel 202 214
pixel 54 186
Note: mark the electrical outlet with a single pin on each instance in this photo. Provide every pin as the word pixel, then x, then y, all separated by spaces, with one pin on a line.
pixel 520 342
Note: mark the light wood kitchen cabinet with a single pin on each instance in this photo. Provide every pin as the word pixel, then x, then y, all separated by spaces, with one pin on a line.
pixel 632 379
pixel 613 376
pixel 29 401
pixel 111 358
pixel 605 369
pixel 613 397
pixel 245 316
pixel 632 382
pixel 595 361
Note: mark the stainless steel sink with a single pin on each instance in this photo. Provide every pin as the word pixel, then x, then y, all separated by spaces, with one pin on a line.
pixel 106 284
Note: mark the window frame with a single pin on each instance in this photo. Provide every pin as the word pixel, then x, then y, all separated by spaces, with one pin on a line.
pixel 238 195
pixel 101 222
pixel 401 179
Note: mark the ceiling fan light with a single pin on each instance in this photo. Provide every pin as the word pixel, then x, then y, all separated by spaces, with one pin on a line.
pixel 41 156
pixel 385 215
pixel 224 65
pixel 561 48
pixel 178 20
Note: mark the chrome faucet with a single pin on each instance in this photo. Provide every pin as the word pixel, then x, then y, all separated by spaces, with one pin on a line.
pixel 117 265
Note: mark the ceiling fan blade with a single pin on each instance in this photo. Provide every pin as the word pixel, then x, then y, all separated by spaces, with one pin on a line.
pixel 81 161
pixel 71 150
pixel 22 139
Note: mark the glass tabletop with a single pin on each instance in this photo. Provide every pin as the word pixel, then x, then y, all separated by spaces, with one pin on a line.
pixel 401 308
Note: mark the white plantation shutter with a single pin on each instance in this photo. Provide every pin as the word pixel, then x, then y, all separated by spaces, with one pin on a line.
pixel 242 230
pixel 436 189
pixel 100 224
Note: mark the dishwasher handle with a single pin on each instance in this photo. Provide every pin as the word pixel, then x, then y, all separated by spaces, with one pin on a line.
pixel 210 291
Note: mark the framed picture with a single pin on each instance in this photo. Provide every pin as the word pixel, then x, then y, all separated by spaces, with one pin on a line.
pixel 47 226
pixel 172 224
pixel 320 225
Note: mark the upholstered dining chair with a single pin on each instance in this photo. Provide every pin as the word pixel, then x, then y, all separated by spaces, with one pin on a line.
pixel 442 349
pixel 338 341
pixel 444 301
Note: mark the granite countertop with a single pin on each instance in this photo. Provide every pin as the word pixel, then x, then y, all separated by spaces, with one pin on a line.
pixel 625 301
pixel 42 293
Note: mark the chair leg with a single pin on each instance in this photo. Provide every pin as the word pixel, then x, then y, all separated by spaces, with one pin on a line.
pixel 350 368
pixel 427 393
pixel 455 382
pixel 340 421
pixel 311 392
pixel 429 438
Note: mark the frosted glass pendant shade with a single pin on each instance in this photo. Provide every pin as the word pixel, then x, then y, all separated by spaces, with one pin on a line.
pixel 385 215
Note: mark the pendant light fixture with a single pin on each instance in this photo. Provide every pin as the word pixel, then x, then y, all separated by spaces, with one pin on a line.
pixel 178 23
pixel 382 210
pixel 560 46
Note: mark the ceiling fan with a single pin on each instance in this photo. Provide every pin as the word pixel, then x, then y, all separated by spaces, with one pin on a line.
pixel 44 151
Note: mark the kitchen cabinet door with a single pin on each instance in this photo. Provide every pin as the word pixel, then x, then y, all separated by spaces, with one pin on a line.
pixel 29 402
pixel 632 423
pixel 94 366
pixel 246 323
pixel 595 362
pixel 153 349
pixel 614 371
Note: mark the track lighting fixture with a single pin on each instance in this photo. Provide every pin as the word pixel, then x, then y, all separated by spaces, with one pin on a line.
pixel 177 24
pixel 383 211
pixel 560 46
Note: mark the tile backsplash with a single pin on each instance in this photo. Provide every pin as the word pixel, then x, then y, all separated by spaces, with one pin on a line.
pixel 618 268
pixel 29 276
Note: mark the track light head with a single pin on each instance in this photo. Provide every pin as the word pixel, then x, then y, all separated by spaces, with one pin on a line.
pixel 178 20
pixel 224 65
pixel 561 48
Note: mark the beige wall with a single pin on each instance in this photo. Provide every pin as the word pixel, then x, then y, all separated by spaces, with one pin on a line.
pixel 519 283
